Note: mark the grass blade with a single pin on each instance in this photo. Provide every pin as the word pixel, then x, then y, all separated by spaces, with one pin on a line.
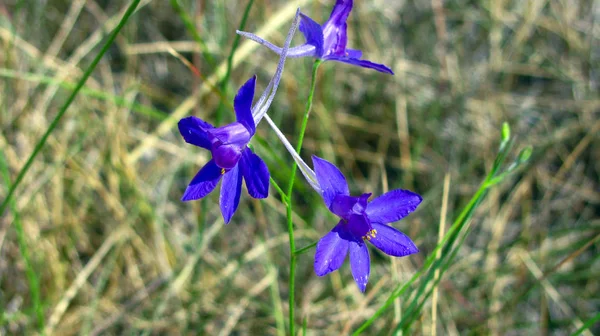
pixel 61 113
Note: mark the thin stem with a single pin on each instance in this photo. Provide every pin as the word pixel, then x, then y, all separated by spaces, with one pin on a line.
pixel 313 84
pixel 61 113
pixel 31 274
pixel 290 224
pixel 236 42
pixel 305 248
pixel 279 190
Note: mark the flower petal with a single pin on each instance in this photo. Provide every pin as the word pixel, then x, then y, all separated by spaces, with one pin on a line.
pixel 339 13
pixel 193 130
pixel 231 190
pixel 234 133
pixel 358 225
pixel 362 63
pixel 331 180
pixel 203 183
pixel 393 206
pixel 331 251
pixel 242 104
pixel 360 263
pixel 345 206
pixel 313 33
pixel 353 53
pixel 392 242
pixel 256 174
pixel 228 142
pixel 334 30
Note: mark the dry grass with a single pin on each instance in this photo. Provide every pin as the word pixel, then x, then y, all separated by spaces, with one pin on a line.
pixel 117 252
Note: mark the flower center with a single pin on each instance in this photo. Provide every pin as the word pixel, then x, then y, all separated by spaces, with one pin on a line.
pixel 370 234
pixel 351 210
pixel 227 144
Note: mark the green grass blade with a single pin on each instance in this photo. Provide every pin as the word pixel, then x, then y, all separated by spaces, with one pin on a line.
pixel 98 94
pixel 587 324
pixel 31 274
pixel 191 28
pixel 447 246
pixel 225 80
pixel 61 113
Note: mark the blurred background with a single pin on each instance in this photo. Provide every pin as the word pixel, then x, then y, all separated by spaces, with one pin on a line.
pixel 97 240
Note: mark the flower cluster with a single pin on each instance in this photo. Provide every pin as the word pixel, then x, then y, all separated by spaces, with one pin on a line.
pixel 360 220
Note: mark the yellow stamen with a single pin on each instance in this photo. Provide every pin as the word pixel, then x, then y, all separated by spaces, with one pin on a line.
pixel 370 235
pixel 222 171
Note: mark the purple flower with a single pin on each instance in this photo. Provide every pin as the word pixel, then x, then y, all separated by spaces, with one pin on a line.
pixel 360 222
pixel 326 42
pixel 232 160
pixel 231 157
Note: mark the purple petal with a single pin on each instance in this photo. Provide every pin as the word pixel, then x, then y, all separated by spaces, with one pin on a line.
pixel 193 130
pixel 331 180
pixel 362 63
pixel 256 174
pixel 353 53
pixel 360 263
pixel 339 13
pixel 392 206
pixel 358 225
pixel 228 142
pixel 234 133
pixel 344 206
pixel 392 242
pixel 313 33
pixel 242 104
pixel 334 30
pixel 203 183
pixel 331 251
pixel 231 189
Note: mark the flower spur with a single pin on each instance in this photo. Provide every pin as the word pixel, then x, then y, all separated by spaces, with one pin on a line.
pixel 361 221
pixel 232 159
pixel 327 42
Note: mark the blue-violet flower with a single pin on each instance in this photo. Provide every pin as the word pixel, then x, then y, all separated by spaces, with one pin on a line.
pixel 360 222
pixel 232 159
pixel 326 42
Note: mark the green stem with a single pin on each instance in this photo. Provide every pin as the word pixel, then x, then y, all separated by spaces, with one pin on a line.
pixel 305 248
pixel 225 79
pixel 61 113
pixel 30 273
pixel 279 190
pixel 290 224
pixel 313 84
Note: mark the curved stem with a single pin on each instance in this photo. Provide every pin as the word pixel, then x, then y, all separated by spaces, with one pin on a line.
pixel 290 224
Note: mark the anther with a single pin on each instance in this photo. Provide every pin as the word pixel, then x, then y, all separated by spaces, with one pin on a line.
pixel 222 171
